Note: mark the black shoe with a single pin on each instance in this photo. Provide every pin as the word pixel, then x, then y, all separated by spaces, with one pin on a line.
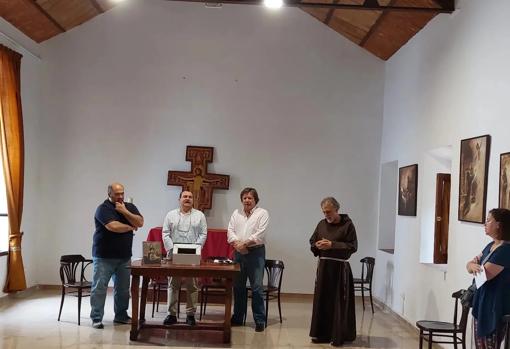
pixel 170 320
pixel 260 327
pixel 126 321
pixel 97 325
pixel 320 340
pixel 190 320
pixel 235 323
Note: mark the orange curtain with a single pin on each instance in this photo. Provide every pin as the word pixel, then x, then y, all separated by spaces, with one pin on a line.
pixel 11 137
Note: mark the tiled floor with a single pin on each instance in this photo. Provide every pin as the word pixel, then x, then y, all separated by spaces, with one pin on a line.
pixel 31 322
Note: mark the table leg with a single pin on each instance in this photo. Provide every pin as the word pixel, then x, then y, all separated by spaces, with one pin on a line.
pixel 135 327
pixel 143 298
pixel 228 310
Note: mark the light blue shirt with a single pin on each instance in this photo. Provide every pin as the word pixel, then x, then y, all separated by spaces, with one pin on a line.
pixel 188 228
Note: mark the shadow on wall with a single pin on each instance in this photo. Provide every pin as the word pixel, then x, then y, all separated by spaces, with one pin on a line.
pixel 388 289
pixel 431 309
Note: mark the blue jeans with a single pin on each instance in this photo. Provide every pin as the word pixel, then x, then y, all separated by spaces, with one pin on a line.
pixel 104 270
pixel 252 268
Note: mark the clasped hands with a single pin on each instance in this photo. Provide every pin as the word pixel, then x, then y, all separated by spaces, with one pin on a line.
pixel 241 247
pixel 323 244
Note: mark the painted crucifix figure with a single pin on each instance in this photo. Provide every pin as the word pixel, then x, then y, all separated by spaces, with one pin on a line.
pixel 198 180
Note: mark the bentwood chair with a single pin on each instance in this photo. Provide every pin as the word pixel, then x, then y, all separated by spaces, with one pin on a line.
pixel 272 290
pixel 365 282
pixel 211 287
pixel 453 332
pixel 506 320
pixel 72 277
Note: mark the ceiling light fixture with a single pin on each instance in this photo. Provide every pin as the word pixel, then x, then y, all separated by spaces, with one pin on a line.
pixel 273 3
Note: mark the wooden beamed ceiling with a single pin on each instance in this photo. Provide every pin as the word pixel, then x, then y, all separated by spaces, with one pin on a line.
pixel 379 26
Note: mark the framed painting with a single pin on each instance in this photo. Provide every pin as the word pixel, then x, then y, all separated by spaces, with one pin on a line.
pixel 504 181
pixel 407 190
pixel 474 166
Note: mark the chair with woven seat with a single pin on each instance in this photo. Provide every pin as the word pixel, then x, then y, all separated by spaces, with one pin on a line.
pixel 72 276
pixel 216 247
pixel 274 271
pixel 365 282
pixel 455 330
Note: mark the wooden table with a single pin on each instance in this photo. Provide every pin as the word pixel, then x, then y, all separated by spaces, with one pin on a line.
pixel 149 271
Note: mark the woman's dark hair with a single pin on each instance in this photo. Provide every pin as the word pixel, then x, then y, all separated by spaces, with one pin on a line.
pixel 251 191
pixel 502 216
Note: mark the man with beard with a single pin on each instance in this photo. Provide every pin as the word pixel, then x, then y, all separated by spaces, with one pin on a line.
pixel 334 241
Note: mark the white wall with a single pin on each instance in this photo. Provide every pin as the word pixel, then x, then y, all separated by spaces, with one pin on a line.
pixel 291 107
pixel 31 104
pixel 387 205
pixel 450 82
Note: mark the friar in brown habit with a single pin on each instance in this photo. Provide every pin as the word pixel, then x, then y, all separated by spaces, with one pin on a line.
pixel 334 241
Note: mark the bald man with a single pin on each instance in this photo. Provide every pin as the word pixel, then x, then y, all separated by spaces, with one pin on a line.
pixel 111 254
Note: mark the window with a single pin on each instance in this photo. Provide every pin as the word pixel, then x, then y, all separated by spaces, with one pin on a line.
pixel 4 221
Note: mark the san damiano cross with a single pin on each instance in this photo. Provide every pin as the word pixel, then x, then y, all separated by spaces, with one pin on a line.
pixel 198 181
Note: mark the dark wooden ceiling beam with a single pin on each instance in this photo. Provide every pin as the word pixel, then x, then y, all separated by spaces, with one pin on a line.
pixel 96 5
pixel 46 14
pixel 366 6
pixel 330 13
pixel 376 25
pixel 446 4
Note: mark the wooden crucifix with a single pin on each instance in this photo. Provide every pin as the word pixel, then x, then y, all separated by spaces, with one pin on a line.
pixel 198 181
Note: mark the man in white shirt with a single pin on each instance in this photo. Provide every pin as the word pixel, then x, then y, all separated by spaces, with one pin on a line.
pixel 183 225
pixel 246 233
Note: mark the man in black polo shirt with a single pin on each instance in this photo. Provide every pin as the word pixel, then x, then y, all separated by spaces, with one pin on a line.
pixel 111 252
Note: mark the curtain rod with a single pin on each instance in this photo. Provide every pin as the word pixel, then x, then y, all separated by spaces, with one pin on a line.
pixel 19 46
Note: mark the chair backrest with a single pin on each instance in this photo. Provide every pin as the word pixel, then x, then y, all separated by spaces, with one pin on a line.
pixel 69 266
pixel 367 269
pixel 274 269
pixel 462 322
pixel 506 320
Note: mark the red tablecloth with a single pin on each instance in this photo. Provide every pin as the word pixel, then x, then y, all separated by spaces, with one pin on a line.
pixel 216 244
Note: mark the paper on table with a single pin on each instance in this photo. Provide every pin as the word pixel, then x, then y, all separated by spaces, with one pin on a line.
pixel 480 277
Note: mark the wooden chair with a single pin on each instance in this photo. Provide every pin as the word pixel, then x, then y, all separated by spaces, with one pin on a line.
pixel 365 282
pixel 72 276
pixel 456 331
pixel 159 284
pixel 274 270
pixel 211 287
pixel 506 319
